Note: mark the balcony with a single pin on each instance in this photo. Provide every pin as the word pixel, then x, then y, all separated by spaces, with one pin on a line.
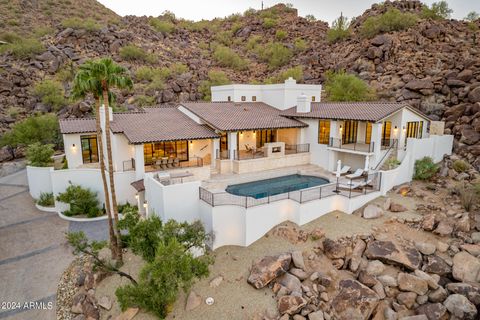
pixel 354 147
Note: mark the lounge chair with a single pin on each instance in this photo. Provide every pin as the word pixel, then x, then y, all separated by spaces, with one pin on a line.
pixel 176 162
pixel 357 174
pixel 343 171
pixel 354 185
pixel 170 163
pixel 164 164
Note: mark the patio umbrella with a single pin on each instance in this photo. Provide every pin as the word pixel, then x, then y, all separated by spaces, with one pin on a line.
pixel 367 158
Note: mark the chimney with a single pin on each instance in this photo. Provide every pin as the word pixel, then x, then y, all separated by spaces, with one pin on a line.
pixel 303 105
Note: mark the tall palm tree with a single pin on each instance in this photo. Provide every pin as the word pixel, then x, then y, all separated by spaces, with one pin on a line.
pixel 111 75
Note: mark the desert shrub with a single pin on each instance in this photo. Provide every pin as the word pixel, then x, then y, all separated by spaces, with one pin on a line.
pixel 280 34
pixel 134 53
pixel 145 101
pixel 81 200
pixel 14 112
pixel 468 195
pixel 300 45
pixel 224 37
pixel 438 10
pixel 340 30
pixel 269 23
pixel 392 20
pixel 215 78
pixel 41 31
pixel 178 68
pixel 226 57
pixel 40 155
pixel 275 54
pixel 50 93
pixel 23 48
pixel 86 24
pixel 66 73
pixel 425 169
pixel 342 86
pixel 460 166
pixel 163 26
pixel 310 18
pixel 156 84
pixel 46 199
pixel 144 73
pixel 249 12
pixel 253 42
pixel 392 163
pixel 173 268
pixel 10 37
pixel 295 72
pixel 235 27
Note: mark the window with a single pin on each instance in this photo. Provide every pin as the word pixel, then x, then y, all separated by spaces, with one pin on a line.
pixel 229 98
pixel 254 98
pixel 323 131
pixel 223 145
pixel 313 98
pixel 349 134
pixel 386 130
pixel 368 133
pixel 412 129
pixel 244 98
pixel 89 149
pixel 168 149
pixel 420 130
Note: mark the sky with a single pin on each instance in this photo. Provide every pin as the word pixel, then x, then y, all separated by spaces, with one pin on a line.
pixel 326 10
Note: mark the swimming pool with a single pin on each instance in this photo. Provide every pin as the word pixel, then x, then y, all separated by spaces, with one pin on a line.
pixel 269 187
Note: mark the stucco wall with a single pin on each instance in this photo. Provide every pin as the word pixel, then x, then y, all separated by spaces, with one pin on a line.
pixel 73 150
pixel 39 180
pixel 122 151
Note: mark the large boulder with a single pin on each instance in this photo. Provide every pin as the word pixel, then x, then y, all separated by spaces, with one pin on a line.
pixel 433 311
pixel 354 301
pixel 417 84
pixel 460 307
pixel 290 282
pixel 357 253
pixel 437 265
pixel 372 212
pixel 466 267
pixel 411 283
pixel 474 95
pixel 469 136
pixel 470 290
pixel 333 249
pixel 291 304
pixel 268 268
pixel 390 253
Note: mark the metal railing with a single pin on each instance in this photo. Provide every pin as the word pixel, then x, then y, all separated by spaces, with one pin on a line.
pixel 362 147
pixel 388 143
pixel 349 188
pixel 222 155
pixel 129 165
pixel 393 145
pixel 248 155
pixel 297 148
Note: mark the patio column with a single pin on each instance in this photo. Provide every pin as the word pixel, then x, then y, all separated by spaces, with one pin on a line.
pixel 335 129
pixel 377 140
pixel 215 147
pixel 232 143
pixel 139 162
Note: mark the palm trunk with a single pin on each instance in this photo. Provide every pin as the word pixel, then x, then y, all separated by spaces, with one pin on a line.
pixel 111 174
pixel 113 237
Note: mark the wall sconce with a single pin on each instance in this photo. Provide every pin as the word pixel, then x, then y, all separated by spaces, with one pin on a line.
pixel 136 196
pixel 74 147
pixel 191 141
pixel 145 204
pixel 404 129
pixel 341 128
pixel 395 128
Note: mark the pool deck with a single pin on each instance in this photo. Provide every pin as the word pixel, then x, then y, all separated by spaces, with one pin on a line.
pixel 218 182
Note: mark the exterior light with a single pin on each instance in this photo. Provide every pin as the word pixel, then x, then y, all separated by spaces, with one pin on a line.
pixel 191 141
pixel 404 129
pixel 395 128
pixel 74 147
pixel 136 196
pixel 145 204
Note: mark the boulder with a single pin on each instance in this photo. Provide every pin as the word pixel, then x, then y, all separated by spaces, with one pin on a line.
pixel 390 253
pixel 290 282
pixel 460 307
pixel 425 247
pixel 128 314
pixel 375 268
pixel 470 136
pixel 105 302
pixel 417 317
pixel 299 273
pixel 428 222
pixel 321 278
pixel 372 212
pixel 367 279
pixel 473 249
pixel 77 301
pixel 291 304
pixel 433 311
pixel 438 295
pixel 333 249
pixel 470 290
pixel 407 299
pixel 409 282
pixel 417 84
pixel 444 228
pixel 474 95
pixel 357 253
pixel 396 207
pixel 466 267
pixel 466 75
pixel 268 268
pixel 297 258
pixel 431 282
pixel 317 315
pixel 193 301
pixel 354 301
pixel 437 265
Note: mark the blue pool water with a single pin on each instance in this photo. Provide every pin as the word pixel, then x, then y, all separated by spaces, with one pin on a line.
pixel 264 188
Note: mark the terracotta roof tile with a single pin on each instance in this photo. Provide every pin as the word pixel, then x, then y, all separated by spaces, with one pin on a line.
pixel 233 116
pixel 365 111
pixel 83 125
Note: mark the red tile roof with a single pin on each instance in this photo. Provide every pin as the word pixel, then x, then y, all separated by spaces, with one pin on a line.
pixel 234 116
pixel 159 124
pixel 365 111
pixel 83 125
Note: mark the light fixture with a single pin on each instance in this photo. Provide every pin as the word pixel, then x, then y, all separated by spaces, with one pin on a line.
pixel 73 145
pixel 145 204
pixel 404 129
pixel 191 141
pixel 395 128
pixel 136 196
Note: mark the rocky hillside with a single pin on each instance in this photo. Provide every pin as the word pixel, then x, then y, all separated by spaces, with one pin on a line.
pixel 433 65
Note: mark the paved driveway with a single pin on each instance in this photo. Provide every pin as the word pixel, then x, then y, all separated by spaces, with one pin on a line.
pixel 33 249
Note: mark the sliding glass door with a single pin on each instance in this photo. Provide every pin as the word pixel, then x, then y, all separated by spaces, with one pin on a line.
pixel 350 129
pixel 167 149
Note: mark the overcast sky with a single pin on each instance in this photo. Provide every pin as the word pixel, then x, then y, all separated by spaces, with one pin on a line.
pixel 326 10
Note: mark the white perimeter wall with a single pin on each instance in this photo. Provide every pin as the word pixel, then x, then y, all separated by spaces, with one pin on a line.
pixel 73 153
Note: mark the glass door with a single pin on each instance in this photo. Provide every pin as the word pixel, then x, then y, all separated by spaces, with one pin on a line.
pixel 386 130
pixel 350 132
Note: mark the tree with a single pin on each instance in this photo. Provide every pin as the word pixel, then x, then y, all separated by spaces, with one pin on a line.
pixel 438 10
pixel 40 155
pixel 472 24
pixel 342 86
pixel 96 77
pixel 472 16
pixel 340 29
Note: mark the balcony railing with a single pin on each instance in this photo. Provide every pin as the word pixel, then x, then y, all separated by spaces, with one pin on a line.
pixel 388 143
pixel 222 155
pixel 355 146
pixel 248 154
pixel 297 148
pixel 129 165
pixel 347 188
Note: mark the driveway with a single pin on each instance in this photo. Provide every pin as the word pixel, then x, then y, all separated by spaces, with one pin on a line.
pixel 33 250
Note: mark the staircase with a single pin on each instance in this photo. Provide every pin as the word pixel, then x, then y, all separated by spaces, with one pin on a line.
pixel 391 156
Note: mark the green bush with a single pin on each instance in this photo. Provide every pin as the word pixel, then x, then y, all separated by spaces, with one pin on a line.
pixel 178 68
pixel 468 194
pixel 224 37
pixel 10 37
pixel 173 268
pixel 438 10
pixel 392 163
pixel 280 35
pixel 86 24
pixel 295 72
pixel 310 18
pixel 42 31
pixel 300 45
pixel 460 166
pixel 425 169
pixel 269 23
pixel 275 54
pixel 145 101
pixel 235 27
pixel 50 93
pixel 133 53
pixel 40 155
pixel 339 31
pixel 162 25
pixel 23 48
pixel 253 42
pixel 215 78
pixel 46 199
pixel 226 57
pixel 41 128
pixel 342 86
pixel 392 20
pixel 82 201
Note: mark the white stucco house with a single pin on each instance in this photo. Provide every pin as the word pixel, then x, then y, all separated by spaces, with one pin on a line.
pixel 254 156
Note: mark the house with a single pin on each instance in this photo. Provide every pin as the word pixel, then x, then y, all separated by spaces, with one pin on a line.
pixel 177 161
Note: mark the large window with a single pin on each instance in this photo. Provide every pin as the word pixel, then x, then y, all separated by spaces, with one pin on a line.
pixel 323 131
pixel 168 149
pixel 368 133
pixel 413 129
pixel 89 149
pixel 264 136
pixel 386 131
pixel 350 129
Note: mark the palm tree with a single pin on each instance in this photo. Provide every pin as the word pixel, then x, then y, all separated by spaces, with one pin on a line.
pixel 97 77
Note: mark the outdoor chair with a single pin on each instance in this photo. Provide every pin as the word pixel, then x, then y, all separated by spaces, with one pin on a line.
pixel 357 174
pixel 170 163
pixel 354 186
pixel 164 164
pixel 157 164
pixel 343 171
pixel 176 162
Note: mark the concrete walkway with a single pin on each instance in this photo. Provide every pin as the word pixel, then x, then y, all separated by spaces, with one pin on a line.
pixel 33 250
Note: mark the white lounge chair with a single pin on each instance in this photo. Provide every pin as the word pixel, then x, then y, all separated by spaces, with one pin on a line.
pixel 354 185
pixel 343 171
pixel 357 174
